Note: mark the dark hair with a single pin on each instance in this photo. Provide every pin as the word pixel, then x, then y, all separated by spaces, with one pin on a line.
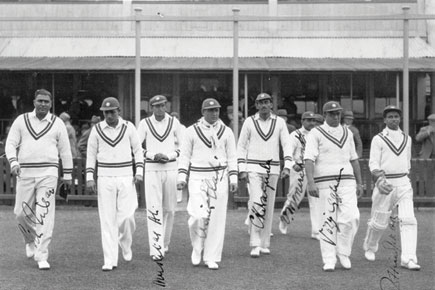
pixel 43 92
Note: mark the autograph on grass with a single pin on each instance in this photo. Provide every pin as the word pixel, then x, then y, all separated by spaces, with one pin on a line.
pixel 391 277
pixel 157 258
pixel 330 226
pixel 259 209
pixel 36 216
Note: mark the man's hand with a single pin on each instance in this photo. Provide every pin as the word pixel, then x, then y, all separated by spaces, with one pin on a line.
pixel 312 190
pixel 16 170
pixel 359 190
pixel 233 187
pixel 285 173
pixel 138 178
pixel 91 186
pixel 297 167
pixel 181 185
pixel 243 176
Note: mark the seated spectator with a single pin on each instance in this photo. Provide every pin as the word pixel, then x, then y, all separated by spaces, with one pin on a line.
pixel 426 135
pixel 65 117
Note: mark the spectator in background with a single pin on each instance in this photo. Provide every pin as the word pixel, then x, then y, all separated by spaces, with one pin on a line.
pixel 65 117
pixel 3 142
pixel 283 114
pixel 426 135
pixel 82 145
pixel 348 122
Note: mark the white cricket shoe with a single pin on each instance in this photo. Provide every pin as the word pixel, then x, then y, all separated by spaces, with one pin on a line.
pixel 43 265
pixel 107 267
pixel 30 250
pixel 329 267
pixel 265 251
pixel 127 255
pixel 370 256
pixel 255 252
pixel 212 265
pixel 196 258
pixel 411 265
pixel 345 261
pixel 282 227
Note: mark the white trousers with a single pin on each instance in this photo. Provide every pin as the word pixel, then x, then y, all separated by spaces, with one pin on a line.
pixel 34 209
pixel 262 192
pixel 339 221
pixel 207 207
pixel 117 203
pixel 382 208
pixel 161 201
pixel 313 203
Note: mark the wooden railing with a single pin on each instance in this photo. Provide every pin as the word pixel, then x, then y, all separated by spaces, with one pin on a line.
pixel 422 178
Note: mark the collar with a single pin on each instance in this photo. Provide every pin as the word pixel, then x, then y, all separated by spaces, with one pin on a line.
pixel 303 130
pixel 207 124
pixel 257 116
pixel 165 118
pixel 104 124
pixel 331 129
pixel 46 118
pixel 388 131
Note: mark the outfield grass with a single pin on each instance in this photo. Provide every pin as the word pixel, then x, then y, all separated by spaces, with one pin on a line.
pixel 76 258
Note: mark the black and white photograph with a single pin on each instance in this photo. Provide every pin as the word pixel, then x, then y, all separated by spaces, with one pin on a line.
pixel 217 144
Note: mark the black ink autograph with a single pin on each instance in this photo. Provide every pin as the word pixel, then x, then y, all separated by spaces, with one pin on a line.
pixel 327 230
pixel 209 187
pixel 294 204
pixel 158 259
pixel 392 273
pixel 33 218
pixel 259 209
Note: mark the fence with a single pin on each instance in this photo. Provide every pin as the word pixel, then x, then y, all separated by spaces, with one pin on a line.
pixel 422 178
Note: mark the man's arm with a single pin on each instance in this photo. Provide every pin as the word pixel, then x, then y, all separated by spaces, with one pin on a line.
pixel 309 171
pixel 358 142
pixel 357 173
pixel 184 160
pixel 91 159
pixel 13 142
pixel 311 154
pixel 137 152
pixel 64 149
pixel 242 150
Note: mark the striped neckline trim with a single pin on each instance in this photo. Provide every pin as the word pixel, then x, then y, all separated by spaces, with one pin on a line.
pixel 391 145
pixel 340 143
pixel 109 141
pixel 153 130
pixel 44 131
pixel 269 134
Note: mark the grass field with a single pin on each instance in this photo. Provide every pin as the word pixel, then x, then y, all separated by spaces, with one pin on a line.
pixel 76 258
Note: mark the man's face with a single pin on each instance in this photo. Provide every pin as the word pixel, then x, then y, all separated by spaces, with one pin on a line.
pixel 309 123
pixel 392 120
pixel 264 106
pixel 333 118
pixel 348 121
pixel 211 115
pixel 111 116
pixel 159 110
pixel 42 104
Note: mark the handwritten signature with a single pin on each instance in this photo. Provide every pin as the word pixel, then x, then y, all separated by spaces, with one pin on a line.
pixel 392 274
pixel 209 187
pixel 33 217
pixel 259 209
pixel 158 258
pixel 330 224
pixel 296 198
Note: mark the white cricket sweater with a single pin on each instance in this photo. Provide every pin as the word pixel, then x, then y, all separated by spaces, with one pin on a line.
pixel 331 149
pixel 112 148
pixel 37 144
pixel 206 150
pixel 259 142
pixel 390 151
pixel 297 145
pixel 160 137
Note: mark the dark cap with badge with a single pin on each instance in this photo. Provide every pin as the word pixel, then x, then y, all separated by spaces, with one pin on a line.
pixel 332 106
pixel 319 118
pixel 157 100
pixel 110 103
pixel 308 115
pixel 391 108
pixel 210 104
pixel 263 96
pixel 348 115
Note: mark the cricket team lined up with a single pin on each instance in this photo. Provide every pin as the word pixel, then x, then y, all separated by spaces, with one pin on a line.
pixel 319 158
